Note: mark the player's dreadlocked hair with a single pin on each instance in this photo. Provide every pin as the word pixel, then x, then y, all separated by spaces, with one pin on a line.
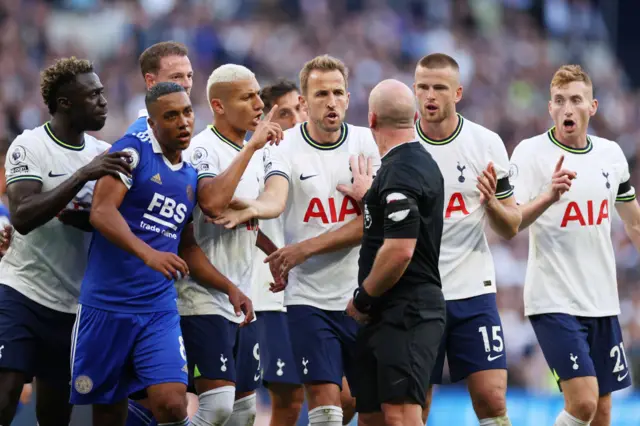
pixel 151 57
pixel 324 63
pixel 270 94
pixel 63 71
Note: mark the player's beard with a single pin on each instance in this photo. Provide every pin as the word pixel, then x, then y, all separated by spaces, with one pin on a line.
pixel 327 128
pixel 441 114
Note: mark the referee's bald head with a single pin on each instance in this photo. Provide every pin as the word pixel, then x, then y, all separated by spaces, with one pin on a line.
pixel 392 105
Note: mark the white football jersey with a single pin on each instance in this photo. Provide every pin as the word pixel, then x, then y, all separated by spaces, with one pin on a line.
pixel 466 264
pixel 230 250
pixel 315 206
pixel 47 265
pixel 263 299
pixel 571 267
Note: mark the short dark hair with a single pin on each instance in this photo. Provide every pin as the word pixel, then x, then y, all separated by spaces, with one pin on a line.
pixel 151 57
pixel 438 60
pixel 63 71
pixel 270 94
pixel 161 89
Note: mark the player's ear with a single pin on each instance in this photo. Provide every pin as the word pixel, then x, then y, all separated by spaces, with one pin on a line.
pixel 63 103
pixel 593 108
pixel 150 80
pixel 216 106
pixel 303 103
pixel 416 116
pixel 459 91
pixel 373 120
pixel 348 97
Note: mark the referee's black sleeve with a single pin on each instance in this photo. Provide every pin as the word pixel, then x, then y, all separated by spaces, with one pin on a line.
pixel 401 214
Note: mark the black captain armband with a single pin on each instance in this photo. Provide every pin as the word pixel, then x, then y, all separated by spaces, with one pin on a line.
pixel 401 216
pixel 626 192
pixel 503 188
pixel 362 301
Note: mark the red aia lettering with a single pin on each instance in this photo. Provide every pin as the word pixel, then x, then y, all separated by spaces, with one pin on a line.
pixel 573 213
pixel 317 209
pixel 456 204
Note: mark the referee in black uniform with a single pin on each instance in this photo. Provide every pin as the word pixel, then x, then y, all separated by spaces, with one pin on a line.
pixel 400 300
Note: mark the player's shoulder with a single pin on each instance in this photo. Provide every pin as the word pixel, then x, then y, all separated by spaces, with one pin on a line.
pixel 32 138
pixel 410 164
pixel 532 144
pixel 360 134
pixel 95 143
pixel 201 146
pixel 480 133
pixel 605 144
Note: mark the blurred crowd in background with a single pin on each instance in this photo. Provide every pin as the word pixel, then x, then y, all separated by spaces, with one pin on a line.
pixel 507 50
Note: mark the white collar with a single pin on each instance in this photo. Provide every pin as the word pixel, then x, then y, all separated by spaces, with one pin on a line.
pixel 143 113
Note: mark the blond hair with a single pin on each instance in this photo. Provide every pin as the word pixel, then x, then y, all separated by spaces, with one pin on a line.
pixel 324 63
pixel 438 61
pixel 568 74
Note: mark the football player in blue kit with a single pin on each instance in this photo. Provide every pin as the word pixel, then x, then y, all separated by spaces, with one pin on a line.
pixel 143 241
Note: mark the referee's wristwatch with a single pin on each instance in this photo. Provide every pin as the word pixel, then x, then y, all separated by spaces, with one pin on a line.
pixel 362 301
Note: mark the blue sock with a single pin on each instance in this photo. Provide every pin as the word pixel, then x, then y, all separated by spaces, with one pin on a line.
pixel 139 415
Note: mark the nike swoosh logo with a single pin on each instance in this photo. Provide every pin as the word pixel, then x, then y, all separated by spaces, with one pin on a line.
pixel 56 175
pixel 623 377
pixel 493 358
pixel 306 177
pixel 256 378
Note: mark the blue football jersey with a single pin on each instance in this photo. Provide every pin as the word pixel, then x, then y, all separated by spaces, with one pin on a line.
pixel 157 206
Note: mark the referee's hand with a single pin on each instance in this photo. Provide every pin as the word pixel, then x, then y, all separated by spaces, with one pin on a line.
pixel 356 314
pixel 362 171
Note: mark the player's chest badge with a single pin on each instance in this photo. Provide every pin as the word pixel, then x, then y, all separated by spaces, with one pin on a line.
pixel 461 168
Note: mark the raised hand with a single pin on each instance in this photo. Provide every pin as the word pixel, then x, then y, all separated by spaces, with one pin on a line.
pixel 107 163
pixel 487 183
pixel 267 131
pixel 560 180
pixel 362 171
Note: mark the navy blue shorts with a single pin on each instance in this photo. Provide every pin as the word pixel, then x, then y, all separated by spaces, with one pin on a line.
pixel 581 347
pixel 115 354
pixel 323 343
pixel 218 349
pixel 34 339
pixel 472 340
pixel 276 355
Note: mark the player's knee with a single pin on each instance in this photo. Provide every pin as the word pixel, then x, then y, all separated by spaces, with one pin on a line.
pixel 216 407
pixel 584 407
pixel 173 405
pixel 490 402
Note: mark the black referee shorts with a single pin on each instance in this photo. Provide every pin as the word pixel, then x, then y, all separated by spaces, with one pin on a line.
pixel 395 355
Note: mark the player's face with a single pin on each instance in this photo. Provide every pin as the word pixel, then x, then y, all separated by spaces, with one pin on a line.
pixel 327 99
pixel 176 69
pixel 437 92
pixel 571 106
pixel 290 110
pixel 172 119
pixel 242 105
pixel 87 104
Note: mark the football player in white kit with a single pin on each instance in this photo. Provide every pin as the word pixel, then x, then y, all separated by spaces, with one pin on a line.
pixel 322 229
pixel 475 166
pixel 570 293
pixel 50 171
pixel 279 374
pixel 222 346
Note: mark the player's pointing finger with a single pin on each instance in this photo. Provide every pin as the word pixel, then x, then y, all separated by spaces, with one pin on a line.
pixel 559 163
pixel 269 115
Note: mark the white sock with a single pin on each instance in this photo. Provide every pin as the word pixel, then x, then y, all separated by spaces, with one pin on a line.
pixel 496 421
pixel 244 412
pixel 325 415
pixel 566 419
pixel 215 406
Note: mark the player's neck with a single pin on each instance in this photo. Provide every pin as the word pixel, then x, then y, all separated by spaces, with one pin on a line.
pixel 321 136
pixel 442 130
pixel 174 157
pixel 64 131
pixel 232 134
pixel 577 140
pixel 387 139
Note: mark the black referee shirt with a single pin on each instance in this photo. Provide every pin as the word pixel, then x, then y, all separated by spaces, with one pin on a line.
pixel 406 200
